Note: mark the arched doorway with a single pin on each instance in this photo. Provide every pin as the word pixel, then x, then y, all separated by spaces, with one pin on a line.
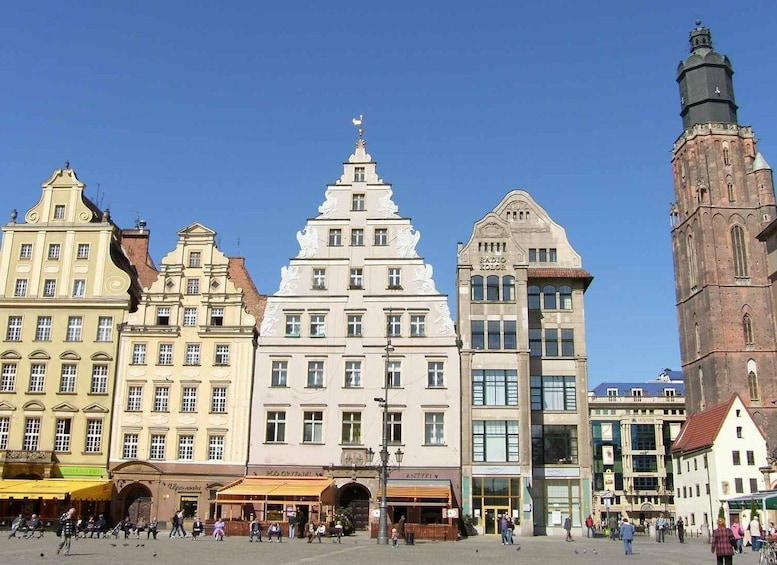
pixel 356 499
pixel 137 503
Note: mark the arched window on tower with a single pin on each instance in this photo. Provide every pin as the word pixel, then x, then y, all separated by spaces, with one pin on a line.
pixel 697 339
pixel 726 155
pixel 693 272
pixel 702 401
pixel 508 288
pixel 730 188
pixel 747 328
pixel 752 385
pixel 477 288
pixel 740 252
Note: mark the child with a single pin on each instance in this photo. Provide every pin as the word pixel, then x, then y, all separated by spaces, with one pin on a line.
pixel 394 537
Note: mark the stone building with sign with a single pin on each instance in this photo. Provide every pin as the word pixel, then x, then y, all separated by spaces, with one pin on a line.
pixel 183 386
pixel 66 285
pixel 633 426
pixel 356 322
pixel 525 432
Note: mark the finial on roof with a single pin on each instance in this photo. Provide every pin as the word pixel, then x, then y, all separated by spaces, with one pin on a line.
pixel 67 165
pixel 698 22
pixel 14 215
pixel 358 122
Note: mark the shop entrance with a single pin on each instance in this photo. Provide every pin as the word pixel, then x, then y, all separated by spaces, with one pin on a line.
pixel 491 517
pixel 356 499
pixel 137 504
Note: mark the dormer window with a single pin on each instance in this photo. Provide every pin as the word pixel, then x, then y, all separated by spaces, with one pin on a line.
pixel 612 393
pixel 358 174
pixel 669 392
pixel 194 259
pixel 636 392
pixel 59 212
pixel 163 316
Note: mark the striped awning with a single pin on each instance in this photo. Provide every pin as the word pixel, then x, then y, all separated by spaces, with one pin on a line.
pixel 273 487
pixel 56 489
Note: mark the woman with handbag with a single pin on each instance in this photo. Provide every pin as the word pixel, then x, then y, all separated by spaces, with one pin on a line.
pixel 722 543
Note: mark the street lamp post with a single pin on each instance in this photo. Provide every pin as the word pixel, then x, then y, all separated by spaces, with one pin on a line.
pixel 384 455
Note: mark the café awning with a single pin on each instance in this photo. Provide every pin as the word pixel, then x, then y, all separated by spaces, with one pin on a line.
pixel 265 488
pixel 427 492
pixel 59 489
pixel 765 500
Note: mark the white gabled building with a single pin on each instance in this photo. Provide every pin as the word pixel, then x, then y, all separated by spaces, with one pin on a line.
pixel 717 457
pixel 357 285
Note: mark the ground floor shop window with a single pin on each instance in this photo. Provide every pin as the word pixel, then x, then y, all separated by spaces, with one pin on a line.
pixel 492 498
pixel 554 500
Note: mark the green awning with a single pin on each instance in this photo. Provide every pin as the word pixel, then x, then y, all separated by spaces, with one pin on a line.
pixel 763 500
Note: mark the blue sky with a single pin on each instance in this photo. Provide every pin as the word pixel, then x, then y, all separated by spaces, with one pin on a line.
pixel 237 115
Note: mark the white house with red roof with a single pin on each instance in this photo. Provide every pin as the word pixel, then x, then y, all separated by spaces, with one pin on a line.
pixel 716 457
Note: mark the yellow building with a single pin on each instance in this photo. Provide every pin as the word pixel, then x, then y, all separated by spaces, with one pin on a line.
pixel 184 382
pixel 65 286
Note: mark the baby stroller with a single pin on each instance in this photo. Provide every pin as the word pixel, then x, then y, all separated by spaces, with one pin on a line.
pixel 114 531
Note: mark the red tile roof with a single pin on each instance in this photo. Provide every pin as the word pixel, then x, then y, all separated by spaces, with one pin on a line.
pixel 135 244
pixel 560 273
pixel 254 301
pixel 701 429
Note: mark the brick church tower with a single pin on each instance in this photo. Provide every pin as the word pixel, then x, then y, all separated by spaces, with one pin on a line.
pixel 724 196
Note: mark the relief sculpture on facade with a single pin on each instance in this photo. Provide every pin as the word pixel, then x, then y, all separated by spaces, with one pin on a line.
pixel 269 320
pixel 329 205
pixel 407 239
pixel 308 242
pixel 423 277
pixel 386 205
pixel 444 321
pixel 289 278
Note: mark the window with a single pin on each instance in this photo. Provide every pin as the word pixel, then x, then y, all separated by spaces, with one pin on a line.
pixel 494 334
pixel 186 448
pixel 394 374
pixel 138 353
pixel 189 399
pixel 25 251
pixel 215 448
pixel 510 337
pixel 59 211
pixel 79 288
pixel 195 258
pixel 20 289
pixel 37 377
pixel 8 379
pixel 739 432
pixel 163 316
pixel 494 387
pixel 134 398
pixel 319 279
pixel 735 459
pixel 554 445
pixel 217 316
pixel 738 486
pixel 731 194
pixel 354 325
pixel 476 282
pixel 534 297
pixel 192 354
pixel 752 383
pixel 381 236
pixel 394 325
pixel 157 450
pixel 218 400
pixel 31 434
pixel 358 175
pixel 99 384
pixel 43 331
pixel 292 325
pixel 357 200
pixel 276 427
pixel 417 325
pixel 435 374
pixel 74 325
pixel 726 156
pixel 750 457
pixel 747 326
pixel 495 441
pixel 644 463
pixel 313 427
pixel 54 251
pixel 315 374
pixel 104 328
pixel 434 428
pixel 94 436
pixel 693 274
pixel 357 237
pixel 192 286
pixel 553 393
pixel 551 342
pixel 395 427
pixel 357 278
pixel 165 354
pixel 567 342
pixel 353 374
pixel 535 342
pixel 279 373
pixel 565 297
pixel 62 435
pixel 643 437
pixel 335 237
pixel 14 332
pixel 5 428
pixel 67 378
pixel 739 248
pixel 394 277
pixel 161 398
pixel 82 251
pixel 492 288
pixel 190 317
pixel 317 325
pixel 49 288
pixel 753 485
pixel 352 428
pixel 129 448
pixel 222 354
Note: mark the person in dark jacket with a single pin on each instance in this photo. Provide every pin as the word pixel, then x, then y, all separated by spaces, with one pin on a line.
pixel 151 530
pixel 197 528
pixel 68 523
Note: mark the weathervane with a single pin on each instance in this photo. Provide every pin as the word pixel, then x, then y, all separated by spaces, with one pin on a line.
pixel 358 122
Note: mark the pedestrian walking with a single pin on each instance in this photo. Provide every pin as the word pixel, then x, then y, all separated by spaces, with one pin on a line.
pixel 681 530
pixel 755 532
pixel 736 529
pixel 503 529
pixel 568 528
pixel 510 531
pixel 394 537
pixel 339 531
pixel 292 526
pixel 68 524
pixel 175 521
pixel 721 545
pixel 627 535
pixel 613 525
pixel 660 527
pixel 589 525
